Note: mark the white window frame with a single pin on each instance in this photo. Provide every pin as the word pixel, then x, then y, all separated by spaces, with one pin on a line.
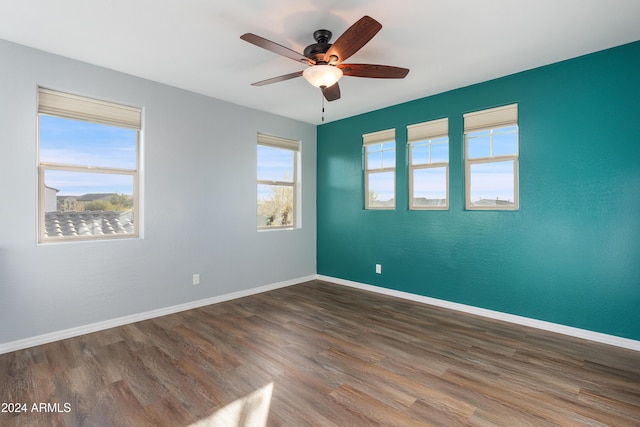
pixel 491 120
pixel 426 133
pixel 380 137
pixel 69 106
pixel 284 144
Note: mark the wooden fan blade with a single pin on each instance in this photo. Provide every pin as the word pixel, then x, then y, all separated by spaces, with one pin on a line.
pixel 373 71
pixel 352 40
pixel 278 79
pixel 331 93
pixel 276 48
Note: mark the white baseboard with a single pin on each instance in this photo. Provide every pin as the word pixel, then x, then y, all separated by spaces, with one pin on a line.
pixel 107 324
pixel 511 318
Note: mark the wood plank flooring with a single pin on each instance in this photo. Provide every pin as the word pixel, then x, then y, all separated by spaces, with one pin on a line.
pixel 320 354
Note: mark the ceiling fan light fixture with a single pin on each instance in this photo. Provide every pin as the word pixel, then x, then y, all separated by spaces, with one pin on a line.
pixel 322 75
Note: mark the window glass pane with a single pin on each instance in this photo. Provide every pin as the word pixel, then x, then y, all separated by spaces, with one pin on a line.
pixel 479 144
pixel 419 153
pixel 86 204
pixel 389 159
pixel 374 147
pixel 77 185
pixel 381 156
pixel 440 151
pixel 492 184
pixel 275 164
pixel 75 142
pixel 391 145
pixel 513 128
pixel 381 185
pixel 505 144
pixel 275 205
pixel 430 187
pixel 381 189
pixel 432 151
pixel 374 160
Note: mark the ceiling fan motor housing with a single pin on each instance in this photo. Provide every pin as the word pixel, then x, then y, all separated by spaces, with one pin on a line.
pixel 317 50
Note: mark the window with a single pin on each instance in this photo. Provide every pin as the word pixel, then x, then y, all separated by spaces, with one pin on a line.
pixel 88 162
pixel 277 182
pixel 380 169
pixel 491 159
pixel 429 165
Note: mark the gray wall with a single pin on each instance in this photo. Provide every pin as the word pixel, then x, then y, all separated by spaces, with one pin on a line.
pixel 199 201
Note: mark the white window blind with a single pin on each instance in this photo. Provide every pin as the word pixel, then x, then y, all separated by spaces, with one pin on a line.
pixel 93 110
pixel 379 137
pixel 492 118
pixel 277 142
pixel 428 130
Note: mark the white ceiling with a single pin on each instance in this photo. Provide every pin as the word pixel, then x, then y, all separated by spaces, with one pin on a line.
pixel 195 44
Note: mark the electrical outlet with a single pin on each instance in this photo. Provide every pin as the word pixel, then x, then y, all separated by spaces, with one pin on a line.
pixel 379 268
pixel 196 279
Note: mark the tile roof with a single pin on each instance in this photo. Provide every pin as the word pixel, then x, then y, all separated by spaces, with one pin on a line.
pixel 86 223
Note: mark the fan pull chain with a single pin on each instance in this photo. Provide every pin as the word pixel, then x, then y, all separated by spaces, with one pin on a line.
pixel 322 96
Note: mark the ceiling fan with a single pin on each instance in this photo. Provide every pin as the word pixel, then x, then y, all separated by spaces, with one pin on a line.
pixel 325 60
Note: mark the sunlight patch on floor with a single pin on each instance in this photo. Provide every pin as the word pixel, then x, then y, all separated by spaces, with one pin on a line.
pixel 249 411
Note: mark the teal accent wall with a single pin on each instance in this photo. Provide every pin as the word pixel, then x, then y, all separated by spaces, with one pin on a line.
pixel 571 253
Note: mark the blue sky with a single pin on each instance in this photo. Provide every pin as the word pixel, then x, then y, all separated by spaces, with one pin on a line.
pixel 79 143
pixel 274 164
pixel 493 180
pixel 430 183
pixel 499 142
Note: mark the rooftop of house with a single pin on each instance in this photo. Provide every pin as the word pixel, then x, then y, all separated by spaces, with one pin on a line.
pixel 86 223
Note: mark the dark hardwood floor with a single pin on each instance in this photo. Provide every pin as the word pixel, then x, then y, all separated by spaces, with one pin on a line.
pixel 321 354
